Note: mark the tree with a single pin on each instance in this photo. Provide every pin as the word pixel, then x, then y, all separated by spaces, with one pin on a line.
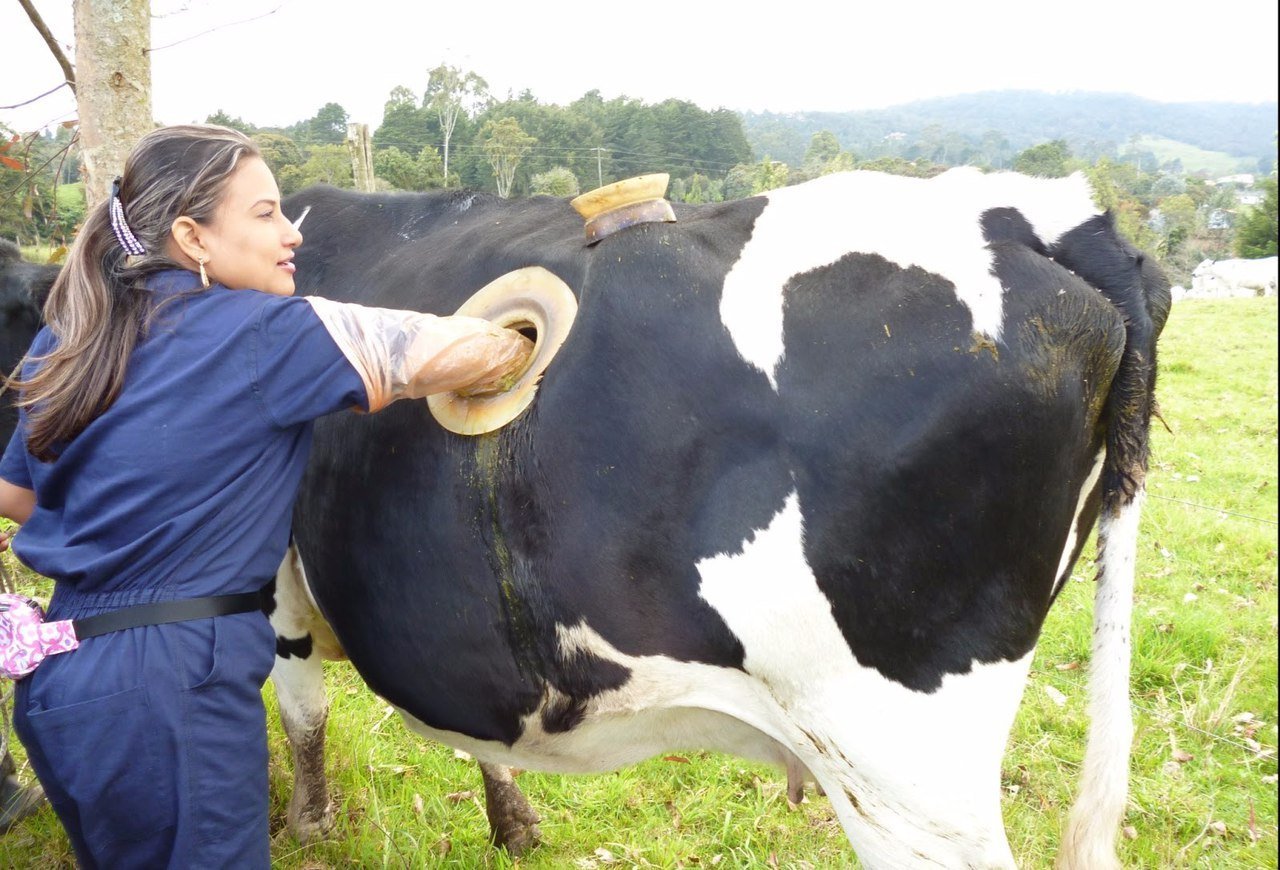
pixel 823 146
pixel 770 175
pixel 565 137
pixel 1179 213
pixel 329 126
pixel 222 118
pixel 824 157
pixel 738 182
pixel 39 199
pixel 451 92
pixel 1198 189
pixel 1124 190
pixel 504 144
pixel 1257 234
pixel 325 164
pixel 557 181
pixel 405 125
pixel 24 205
pixel 404 172
pixel 696 188
pixel 993 148
pixel 1047 160
pixel 901 166
pixel 278 151
pixel 113 86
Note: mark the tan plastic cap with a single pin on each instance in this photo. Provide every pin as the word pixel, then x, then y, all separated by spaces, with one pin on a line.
pixel 624 203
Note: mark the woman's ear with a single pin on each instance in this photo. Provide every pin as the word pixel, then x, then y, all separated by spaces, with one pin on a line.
pixel 187 237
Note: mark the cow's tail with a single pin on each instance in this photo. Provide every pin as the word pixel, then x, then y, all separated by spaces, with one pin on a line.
pixel 1089 842
pixel 1090 838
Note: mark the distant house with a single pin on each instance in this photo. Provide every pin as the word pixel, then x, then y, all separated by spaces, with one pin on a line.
pixel 1220 219
pixel 1249 197
pixel 1244 179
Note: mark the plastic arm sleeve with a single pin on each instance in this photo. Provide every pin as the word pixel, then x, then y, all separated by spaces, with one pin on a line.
pixel 409 355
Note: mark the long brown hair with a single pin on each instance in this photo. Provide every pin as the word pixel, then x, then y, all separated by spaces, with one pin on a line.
pixel 99 306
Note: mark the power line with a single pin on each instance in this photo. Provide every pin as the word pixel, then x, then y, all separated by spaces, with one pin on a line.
pixel 156 48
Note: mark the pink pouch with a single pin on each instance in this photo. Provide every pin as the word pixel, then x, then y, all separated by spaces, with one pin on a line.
pixel 25 638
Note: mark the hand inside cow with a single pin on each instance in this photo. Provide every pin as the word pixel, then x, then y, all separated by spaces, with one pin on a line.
pixel 485 363
pixel 406 354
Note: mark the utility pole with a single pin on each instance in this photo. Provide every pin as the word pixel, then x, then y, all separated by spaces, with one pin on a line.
pixel 599 169
pixel 360 148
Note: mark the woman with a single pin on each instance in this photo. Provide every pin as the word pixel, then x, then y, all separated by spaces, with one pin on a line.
pixel 165 421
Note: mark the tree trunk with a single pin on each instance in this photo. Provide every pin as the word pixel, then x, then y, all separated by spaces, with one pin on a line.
pixel 360 147
pixel 113 86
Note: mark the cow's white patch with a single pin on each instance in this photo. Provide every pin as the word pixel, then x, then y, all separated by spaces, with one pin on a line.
pixel 1089 841
pixel 914 777
pixel 911 773
pixel 666 704
pixel 1073 536
pixel 931 223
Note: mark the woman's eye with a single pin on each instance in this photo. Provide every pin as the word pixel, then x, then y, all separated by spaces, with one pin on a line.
pixel 267 214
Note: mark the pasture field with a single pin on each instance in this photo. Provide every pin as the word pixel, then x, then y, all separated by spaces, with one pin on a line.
pixel 1204 693
pixel 1194 159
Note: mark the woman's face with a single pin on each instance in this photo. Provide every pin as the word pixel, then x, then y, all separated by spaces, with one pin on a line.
pixel 250 242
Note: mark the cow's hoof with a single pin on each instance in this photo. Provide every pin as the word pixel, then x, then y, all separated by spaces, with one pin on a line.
pixel 18 801
pixel 517 833
pixel 309 825
pixel 513 825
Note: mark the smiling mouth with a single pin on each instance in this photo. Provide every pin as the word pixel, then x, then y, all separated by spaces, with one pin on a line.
pixel 288 266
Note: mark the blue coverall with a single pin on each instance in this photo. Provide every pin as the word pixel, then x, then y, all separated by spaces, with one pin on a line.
pixel 151 742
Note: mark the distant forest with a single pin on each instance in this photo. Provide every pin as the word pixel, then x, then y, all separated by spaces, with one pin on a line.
pixel 984 127
pixel 1156 166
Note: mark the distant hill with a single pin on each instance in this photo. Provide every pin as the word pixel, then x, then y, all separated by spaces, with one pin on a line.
pixel 1010 121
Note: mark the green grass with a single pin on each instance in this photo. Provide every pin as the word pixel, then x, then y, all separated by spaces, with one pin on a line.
pixel 1203 791
pixel 43 253
pixel 71 196
pixel 1195 159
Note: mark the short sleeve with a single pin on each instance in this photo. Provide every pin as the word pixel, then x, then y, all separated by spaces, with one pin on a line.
pixel 299 373
pixel 14 467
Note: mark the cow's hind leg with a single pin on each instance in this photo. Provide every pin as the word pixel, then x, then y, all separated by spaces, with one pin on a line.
pixel 298 676
pixel 513 825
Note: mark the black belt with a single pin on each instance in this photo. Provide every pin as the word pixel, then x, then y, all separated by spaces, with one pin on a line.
pixel 167 611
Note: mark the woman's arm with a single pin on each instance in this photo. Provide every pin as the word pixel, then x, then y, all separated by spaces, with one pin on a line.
pixel 410 355
pixel 16 502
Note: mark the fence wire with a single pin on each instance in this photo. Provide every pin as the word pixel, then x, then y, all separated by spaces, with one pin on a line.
pixel 1205 507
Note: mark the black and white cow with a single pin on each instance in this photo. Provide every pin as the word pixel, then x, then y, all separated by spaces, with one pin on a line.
pixel 801 485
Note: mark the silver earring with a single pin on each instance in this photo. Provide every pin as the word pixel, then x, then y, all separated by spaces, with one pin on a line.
pixel 204 276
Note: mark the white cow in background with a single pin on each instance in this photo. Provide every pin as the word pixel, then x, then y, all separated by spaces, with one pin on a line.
pixel 1221 279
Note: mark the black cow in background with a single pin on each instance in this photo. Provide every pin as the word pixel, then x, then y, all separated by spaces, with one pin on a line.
pixel 23 289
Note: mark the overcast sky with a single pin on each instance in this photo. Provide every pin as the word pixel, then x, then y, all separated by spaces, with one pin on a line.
pixel 835 55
